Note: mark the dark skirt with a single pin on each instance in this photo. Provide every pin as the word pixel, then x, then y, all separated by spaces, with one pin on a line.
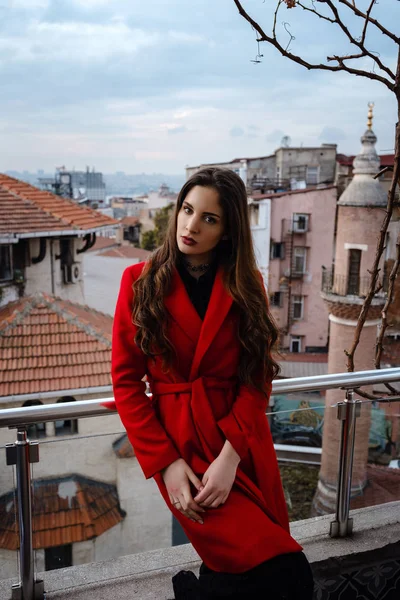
pixel 287 576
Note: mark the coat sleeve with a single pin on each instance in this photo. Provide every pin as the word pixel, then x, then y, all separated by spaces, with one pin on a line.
pixel 153 448
pixel 248 409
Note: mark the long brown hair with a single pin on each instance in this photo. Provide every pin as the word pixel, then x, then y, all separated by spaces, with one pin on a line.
pixel 257 331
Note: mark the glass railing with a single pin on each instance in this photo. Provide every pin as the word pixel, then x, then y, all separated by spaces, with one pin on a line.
pixel 9 541
pixel 89 498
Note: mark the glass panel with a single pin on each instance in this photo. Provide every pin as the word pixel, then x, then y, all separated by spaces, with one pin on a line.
pixel 91 501
pixel 296 423
pixel 8 522
pixel 378 474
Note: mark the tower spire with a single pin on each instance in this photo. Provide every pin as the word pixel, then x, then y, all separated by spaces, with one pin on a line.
pixel 370 115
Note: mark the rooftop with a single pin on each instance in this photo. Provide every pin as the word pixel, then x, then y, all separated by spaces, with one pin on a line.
pixel 386 160
pixel 126 252
pixel 130 221
pixel 51 344
pixel 65 510
pixel 25 209
pixel 256 196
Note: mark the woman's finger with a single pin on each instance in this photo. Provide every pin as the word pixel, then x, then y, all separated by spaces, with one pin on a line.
pixel 194 479
pixel 210 499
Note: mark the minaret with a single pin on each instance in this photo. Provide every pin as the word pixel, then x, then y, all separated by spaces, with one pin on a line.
pixel 360 214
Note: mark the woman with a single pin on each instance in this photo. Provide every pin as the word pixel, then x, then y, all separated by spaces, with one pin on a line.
pixel 194 318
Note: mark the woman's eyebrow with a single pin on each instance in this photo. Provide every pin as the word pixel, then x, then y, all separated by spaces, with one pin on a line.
pixel 204 213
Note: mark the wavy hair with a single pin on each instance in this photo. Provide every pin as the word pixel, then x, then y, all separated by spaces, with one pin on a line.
pixel 257 331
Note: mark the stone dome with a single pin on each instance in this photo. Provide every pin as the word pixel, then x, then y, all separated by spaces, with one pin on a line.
pixel 364 190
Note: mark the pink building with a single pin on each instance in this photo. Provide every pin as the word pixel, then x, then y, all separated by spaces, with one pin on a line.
pixel 302 228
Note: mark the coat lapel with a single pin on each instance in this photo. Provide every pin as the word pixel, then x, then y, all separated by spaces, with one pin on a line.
pixel 181 309
pixel 217 310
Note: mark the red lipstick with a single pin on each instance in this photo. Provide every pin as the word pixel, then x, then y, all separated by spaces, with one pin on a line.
pixel 188 241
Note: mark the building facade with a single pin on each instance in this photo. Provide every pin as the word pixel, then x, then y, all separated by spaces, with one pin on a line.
pixel 361 210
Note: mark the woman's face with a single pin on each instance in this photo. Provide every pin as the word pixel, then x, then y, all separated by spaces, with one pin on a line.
pixel 201 220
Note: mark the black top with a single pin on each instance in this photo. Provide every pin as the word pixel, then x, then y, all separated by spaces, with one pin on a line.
pixel 199 290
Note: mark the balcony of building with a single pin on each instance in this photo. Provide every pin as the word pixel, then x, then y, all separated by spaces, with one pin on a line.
pixel 350 288
pixel 351 551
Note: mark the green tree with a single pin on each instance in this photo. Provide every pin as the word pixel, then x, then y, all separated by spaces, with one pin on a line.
pixel 149 240
pixel 161 221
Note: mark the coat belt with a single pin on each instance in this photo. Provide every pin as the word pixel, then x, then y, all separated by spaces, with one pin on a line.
pixel 160 387
pixel 204 421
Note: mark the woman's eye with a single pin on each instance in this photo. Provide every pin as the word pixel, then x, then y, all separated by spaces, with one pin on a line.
pixel 211 220
pixel 186 208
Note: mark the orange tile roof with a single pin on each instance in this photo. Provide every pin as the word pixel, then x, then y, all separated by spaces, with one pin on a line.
pixel 130 221
pixel 127 252
pixel 123 448
pixel 27 209
pixel 65 510
pixel 383 485
pixel 49 344
pixel 103 242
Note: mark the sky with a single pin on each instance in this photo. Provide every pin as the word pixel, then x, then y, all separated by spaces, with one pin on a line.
pixel 156 85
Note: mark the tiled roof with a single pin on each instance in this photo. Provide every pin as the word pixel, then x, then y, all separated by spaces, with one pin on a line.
pixel 103 242
pixel 48 344
pixel 65 510
pixel 27 209
pixel 123 448
pixel 383 486
pixel 127 252
pixel 386 159
pixel 308 190
pixel 130 221
pixel 309 357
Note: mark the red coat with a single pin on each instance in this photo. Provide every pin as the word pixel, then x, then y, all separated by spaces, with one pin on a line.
pixel 195 408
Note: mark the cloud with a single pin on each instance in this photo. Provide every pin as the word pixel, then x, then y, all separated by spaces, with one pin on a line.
pixel 106 83
pixel 177 129
pixel 236 132
pixel 332 134
pixel 275 136
pixel 84 42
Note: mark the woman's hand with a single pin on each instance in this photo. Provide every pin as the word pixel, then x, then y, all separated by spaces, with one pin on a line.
pixel 219 478
pixel 177 477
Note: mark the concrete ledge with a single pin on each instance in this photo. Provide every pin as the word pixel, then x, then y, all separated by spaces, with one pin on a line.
pixel 147 576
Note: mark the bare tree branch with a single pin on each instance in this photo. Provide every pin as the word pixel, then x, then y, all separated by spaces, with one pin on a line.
pixel 394 86
pixel 263 37
pixel 377 24
pixel 315 12
pixel 357 43
pixel 364 33
pixel 381 243
pixel 384 325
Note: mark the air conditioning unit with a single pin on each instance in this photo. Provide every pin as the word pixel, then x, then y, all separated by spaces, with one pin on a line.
pixel 72 273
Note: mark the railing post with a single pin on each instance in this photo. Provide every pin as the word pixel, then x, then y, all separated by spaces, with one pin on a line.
pixel 22 453
pixel 348 411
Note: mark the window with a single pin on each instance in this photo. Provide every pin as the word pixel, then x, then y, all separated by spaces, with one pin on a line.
pixel 6 267
pixel 277 250
pixel 35 430
pixel 254 214
pixel 299 259
pixel 58 557
pixel 300 223
pixel 353 282
pixel 312 175
pixel 295 343
pixel 298 307
pixel 276 299
pixel 66 426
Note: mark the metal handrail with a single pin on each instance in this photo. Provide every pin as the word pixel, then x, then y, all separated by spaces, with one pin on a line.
pixel 16 417
pixel 23 452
